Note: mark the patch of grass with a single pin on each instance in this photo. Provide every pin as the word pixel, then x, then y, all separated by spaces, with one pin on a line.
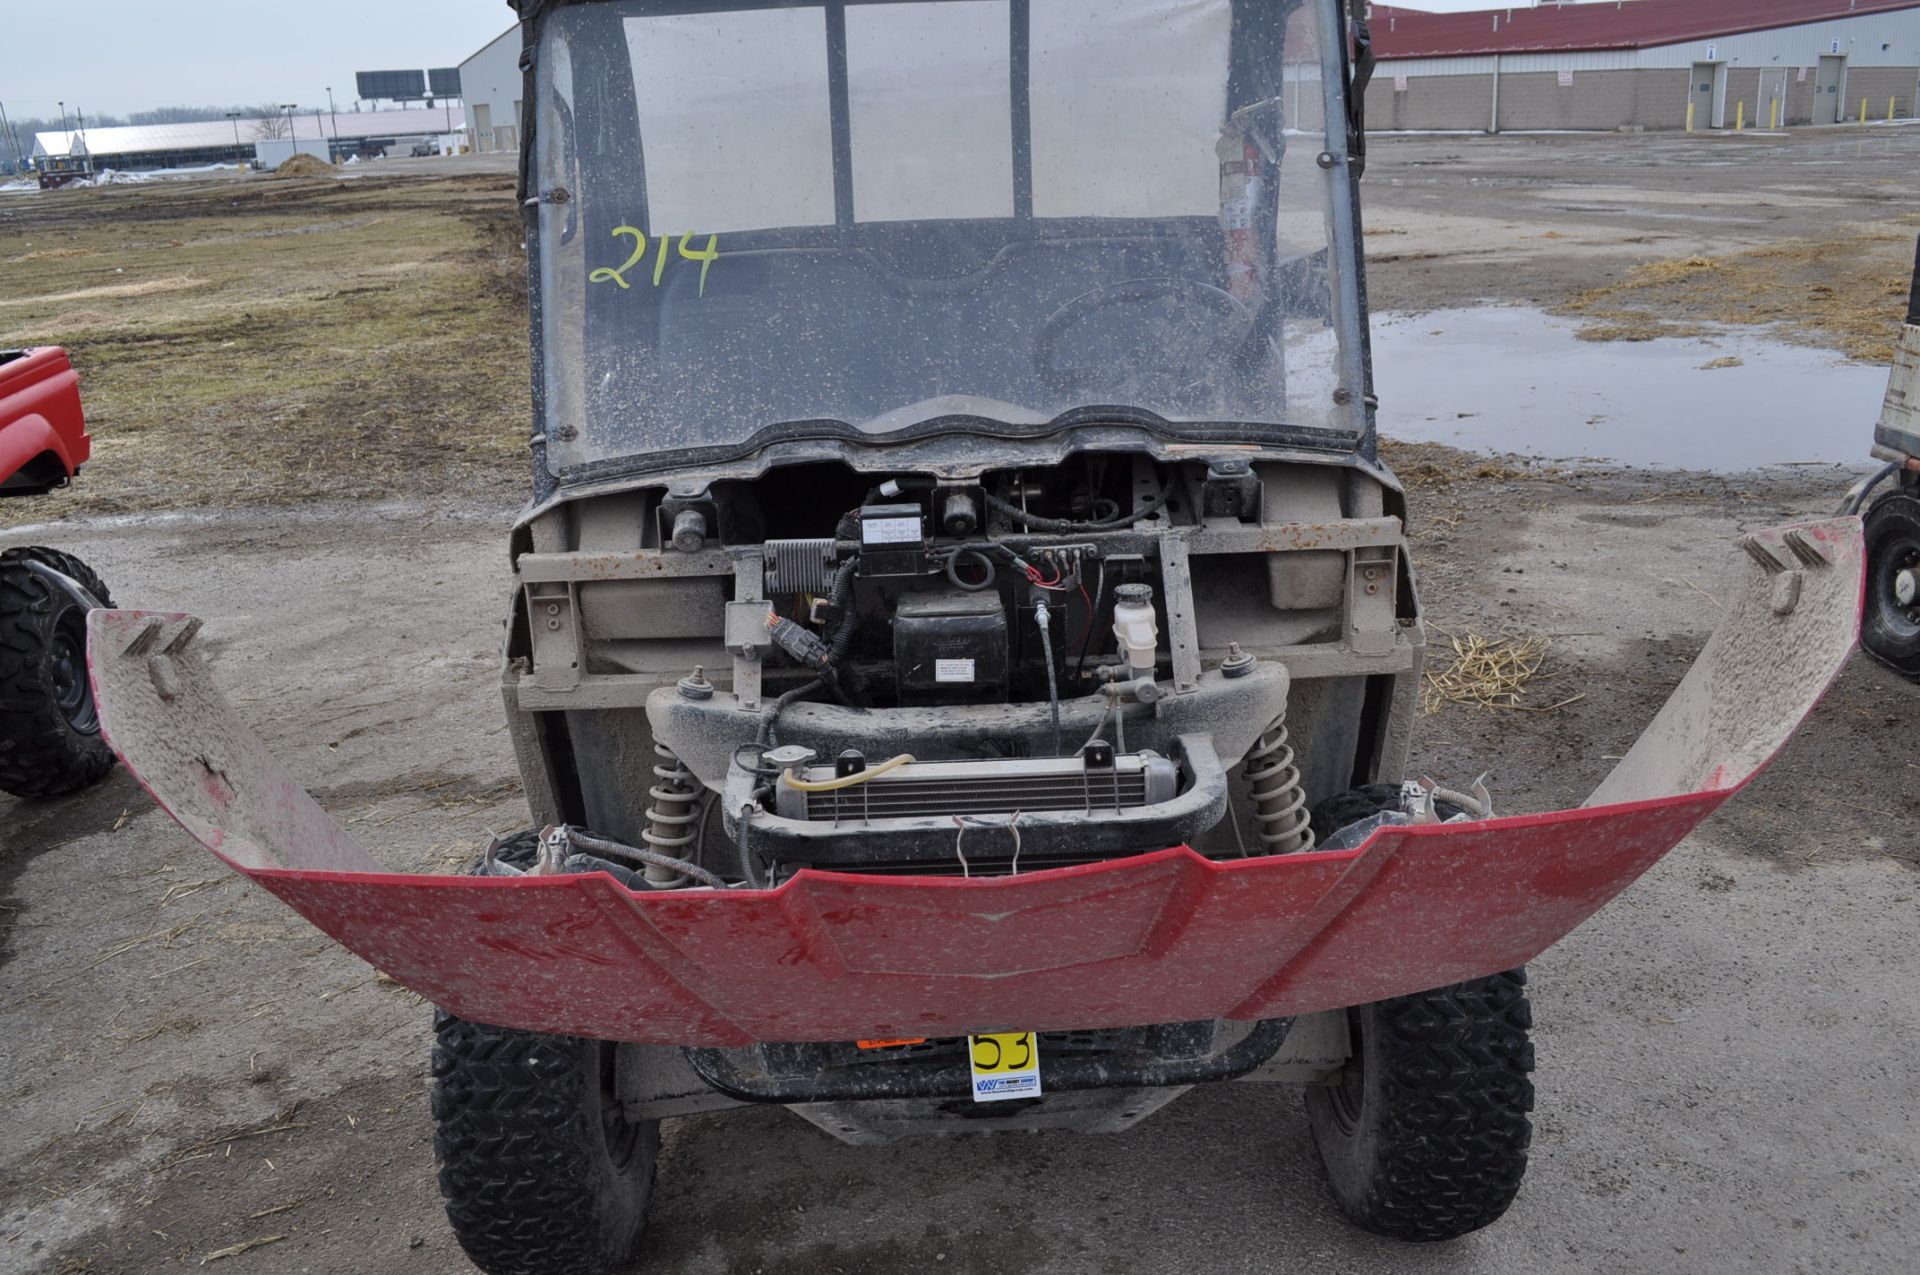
pixel 1845 290
pixel 240 343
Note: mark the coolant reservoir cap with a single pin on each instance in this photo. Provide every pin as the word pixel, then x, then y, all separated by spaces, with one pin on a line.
pixel 1135 594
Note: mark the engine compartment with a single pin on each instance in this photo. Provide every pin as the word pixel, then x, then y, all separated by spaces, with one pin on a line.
pixel 861 668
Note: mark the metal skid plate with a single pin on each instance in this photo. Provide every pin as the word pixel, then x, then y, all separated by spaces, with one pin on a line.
pixel 1159 937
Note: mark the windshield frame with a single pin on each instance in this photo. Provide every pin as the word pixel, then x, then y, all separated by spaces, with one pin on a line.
pixel 1350 427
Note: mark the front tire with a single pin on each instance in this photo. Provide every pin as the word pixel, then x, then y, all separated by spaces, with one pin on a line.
pixel 1425 1137
pixel 50 742
pixel 1890 629
pixel 541 1171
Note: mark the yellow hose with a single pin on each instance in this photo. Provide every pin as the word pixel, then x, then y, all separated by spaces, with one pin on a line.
pixel 845 781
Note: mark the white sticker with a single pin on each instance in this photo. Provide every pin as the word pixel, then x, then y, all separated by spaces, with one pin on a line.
pixel 890 531
pixel 953 670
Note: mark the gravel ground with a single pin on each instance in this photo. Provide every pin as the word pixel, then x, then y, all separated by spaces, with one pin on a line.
pixel 1723 1052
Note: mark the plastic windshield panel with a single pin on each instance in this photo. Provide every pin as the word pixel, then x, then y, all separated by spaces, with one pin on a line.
pixel 852 217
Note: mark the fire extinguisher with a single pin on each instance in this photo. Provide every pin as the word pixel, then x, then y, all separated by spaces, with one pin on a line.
pixel 1242 170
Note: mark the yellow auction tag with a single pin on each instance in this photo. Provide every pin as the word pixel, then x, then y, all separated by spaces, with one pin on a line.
pixel 1005 1065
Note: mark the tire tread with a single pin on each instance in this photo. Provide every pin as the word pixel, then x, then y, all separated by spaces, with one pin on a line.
pixel 41 754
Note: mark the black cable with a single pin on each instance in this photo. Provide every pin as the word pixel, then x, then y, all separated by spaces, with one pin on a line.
pixel 766 738
pixel 1034 522
pixel 1086 639
pixel 838 596
pixel 748 873
pixel 604 845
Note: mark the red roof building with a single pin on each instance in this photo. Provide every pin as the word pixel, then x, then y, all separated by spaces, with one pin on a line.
pixel 1633 64
pixel 1402 32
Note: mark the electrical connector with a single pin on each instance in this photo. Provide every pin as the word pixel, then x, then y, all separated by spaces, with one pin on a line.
pixel 800 644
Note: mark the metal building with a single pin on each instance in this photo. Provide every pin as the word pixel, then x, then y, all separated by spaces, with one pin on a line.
pixel 140 147
pixel 490 81
pixel 1708 64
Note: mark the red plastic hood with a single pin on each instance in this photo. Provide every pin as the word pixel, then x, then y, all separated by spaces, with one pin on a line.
pixel 1160 937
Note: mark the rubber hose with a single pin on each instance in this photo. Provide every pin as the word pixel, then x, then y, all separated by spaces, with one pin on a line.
pixel 602 845
pixel 1053 685
pixel 577 863
pixel 953 570
pixel 854 780
pixel 1034 522
pixel 1854 502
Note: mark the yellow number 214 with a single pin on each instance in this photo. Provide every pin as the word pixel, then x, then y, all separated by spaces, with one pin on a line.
pixel 618 274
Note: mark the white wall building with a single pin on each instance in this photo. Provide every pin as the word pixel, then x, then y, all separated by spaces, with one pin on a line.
pixel 491 82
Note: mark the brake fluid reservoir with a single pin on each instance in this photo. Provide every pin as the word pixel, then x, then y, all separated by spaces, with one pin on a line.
pixel 1134 627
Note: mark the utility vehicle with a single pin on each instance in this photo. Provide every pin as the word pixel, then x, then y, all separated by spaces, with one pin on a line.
pixel 50 742
pixel 963 649
pixel 1891 630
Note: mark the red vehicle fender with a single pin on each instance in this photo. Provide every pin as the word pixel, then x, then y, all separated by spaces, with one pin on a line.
pixel 40 417
pixel 1159 937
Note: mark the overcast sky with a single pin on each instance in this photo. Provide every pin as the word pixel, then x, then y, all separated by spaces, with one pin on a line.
pixel 117 56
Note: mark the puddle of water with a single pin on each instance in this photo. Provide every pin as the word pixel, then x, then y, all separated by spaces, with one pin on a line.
pixel 1517 380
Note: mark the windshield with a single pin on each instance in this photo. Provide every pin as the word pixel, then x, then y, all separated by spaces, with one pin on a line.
pixel 883 216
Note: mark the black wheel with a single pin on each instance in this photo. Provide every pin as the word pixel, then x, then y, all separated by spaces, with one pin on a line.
pixel 1890 629
pixel 542 1172
pixel 50 741
pixel 1425 1136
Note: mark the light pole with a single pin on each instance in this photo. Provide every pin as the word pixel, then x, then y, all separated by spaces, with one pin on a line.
pixel 6 135
pixel 333 114
pixel 235 117
pixel 292 141
pixel 63 115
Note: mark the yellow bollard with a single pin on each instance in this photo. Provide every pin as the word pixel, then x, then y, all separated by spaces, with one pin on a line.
pixel 1890 102
pixel 1740 117
pixel 1689 117
pixel 1773 115
pixel 1863 110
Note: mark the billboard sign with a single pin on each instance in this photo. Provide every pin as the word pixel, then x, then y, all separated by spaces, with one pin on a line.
pixel 443 81
pixel 397 86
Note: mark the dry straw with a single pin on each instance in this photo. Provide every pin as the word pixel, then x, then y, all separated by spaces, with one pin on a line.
pixel 1490 673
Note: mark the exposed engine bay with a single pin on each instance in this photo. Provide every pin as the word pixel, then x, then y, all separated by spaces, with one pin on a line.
pixel 914 672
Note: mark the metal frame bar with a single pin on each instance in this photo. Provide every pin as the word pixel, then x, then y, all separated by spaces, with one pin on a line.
pixel 1020 85
pixel 840 114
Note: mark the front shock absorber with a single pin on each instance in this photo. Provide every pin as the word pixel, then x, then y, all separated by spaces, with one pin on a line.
pixel 674 816
pixel 1279 798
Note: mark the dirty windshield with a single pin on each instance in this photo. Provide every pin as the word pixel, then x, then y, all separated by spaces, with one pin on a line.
pixel 962 214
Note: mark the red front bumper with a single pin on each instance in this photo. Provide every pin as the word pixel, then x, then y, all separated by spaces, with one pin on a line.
pixel 1161 937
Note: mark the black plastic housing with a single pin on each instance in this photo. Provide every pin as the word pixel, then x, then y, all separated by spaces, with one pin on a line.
pixel 950 648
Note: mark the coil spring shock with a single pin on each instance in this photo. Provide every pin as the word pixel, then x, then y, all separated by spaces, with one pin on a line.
pixel 1279 798
pixel 673 817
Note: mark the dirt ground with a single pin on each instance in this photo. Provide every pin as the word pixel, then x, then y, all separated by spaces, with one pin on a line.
pixel 186 1066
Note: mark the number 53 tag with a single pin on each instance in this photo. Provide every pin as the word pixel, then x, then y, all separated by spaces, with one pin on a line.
pixel 1005 1065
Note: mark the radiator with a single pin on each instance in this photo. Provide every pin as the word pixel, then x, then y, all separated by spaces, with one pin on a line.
pixel 919 790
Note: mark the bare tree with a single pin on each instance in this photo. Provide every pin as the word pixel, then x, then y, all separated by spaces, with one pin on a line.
pixel 269 123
